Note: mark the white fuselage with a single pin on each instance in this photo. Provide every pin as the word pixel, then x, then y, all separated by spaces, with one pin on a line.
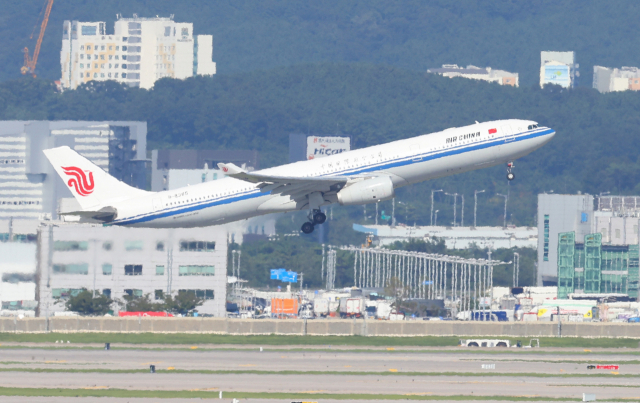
pixel 407 162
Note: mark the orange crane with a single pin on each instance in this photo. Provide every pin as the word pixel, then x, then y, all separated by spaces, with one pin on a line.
pixel 30 63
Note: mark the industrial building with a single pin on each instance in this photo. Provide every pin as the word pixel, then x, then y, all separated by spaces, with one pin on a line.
pixel 118 261
pixel 140 52
pixel 501 77
pixel 614 218
pixel 589 268
pixel 558 68
pixel 30 188
pixel 607 79
pixel 454 237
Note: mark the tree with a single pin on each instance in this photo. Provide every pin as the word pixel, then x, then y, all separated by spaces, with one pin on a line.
pixel 132 303
pixel 183 303
pixel 85 304
pixel 396 290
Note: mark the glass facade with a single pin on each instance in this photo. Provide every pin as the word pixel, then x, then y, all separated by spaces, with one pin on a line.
pixel 546 238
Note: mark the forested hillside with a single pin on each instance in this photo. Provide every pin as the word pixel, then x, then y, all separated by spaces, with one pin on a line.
pixel 595 150
pixel 411 34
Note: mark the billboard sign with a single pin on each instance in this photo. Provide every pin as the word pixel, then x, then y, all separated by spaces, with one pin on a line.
pixel 289 277
pixel 318 147
pixel 557 74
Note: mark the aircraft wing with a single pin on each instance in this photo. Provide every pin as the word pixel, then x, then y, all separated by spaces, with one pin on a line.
pixel 286 185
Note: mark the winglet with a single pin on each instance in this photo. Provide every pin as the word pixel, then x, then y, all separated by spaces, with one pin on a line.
pixel 231 169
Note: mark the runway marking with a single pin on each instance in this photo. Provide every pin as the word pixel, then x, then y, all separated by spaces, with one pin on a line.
pixel 203 390
pixel 194 347
pixel 587 351
pixel 170 368
pixel 615 373
pixel 393 370
pixel 419 394
pixel 390 349
pixel 55 362
pixel 152 363
pixel 347 366
pixel 95 387
pixel 247 365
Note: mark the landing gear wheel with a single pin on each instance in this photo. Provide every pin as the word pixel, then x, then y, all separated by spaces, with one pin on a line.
pixel 511 176
pixel 319 218
pixel 307 228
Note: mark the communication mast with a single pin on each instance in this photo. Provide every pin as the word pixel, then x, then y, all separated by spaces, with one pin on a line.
pixel 30 62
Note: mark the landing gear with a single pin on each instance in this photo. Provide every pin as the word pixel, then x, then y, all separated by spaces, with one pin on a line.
pixel 510 175
pixel 319 217
pixel 307 228
pixel 316 217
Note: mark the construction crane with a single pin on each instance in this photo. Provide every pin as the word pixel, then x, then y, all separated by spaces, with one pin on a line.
pixel 30 62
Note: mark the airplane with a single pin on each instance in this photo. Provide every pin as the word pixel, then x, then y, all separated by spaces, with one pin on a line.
pixel 367 175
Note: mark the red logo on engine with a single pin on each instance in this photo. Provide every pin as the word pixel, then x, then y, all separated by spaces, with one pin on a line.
pixel 79 181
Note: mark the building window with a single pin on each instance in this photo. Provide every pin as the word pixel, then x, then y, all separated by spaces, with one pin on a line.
pixel 66 246
pixel 132 245
pixel 82 65
pixel 204 178
pixel 133 292
pixel 124 75
pixel 107 292
pixel 110 47
pixel 65 292
pixel 202 294
pixel 101 75
pixel 197 246
pixel 196 271
pixel 88 47
pixel 81 75
pixel 185 31
pixel 81 58
pixel 102 56
pixel 546 238
pixel 167 31
pixel 107 246
pixel 603 231
pixel 116 75
pixel 159 270
pixel 107 268
pixel 133 270
pixel 124 66
pixel 81 47
pixel 95 75
pixel 77 268
pixel 160 246
pixel 109 75
pixel 158 294
pixel 117 48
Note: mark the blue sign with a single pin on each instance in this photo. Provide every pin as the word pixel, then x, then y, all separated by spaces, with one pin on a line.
pixel 276 274
pixel 289 277
pixel 427 282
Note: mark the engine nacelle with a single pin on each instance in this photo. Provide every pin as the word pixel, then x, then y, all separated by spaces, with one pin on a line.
pixel 367 191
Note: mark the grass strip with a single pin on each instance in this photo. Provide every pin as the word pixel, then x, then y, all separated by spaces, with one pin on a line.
pixel 210 394
pixel 279 340
pixel 341 373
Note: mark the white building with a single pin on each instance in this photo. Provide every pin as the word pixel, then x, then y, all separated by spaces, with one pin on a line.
pixel 118 261
pixel 30 188
pixel 455 237
pixel 558 68
pixel 141 51
pixel 613 79
pixel 501 77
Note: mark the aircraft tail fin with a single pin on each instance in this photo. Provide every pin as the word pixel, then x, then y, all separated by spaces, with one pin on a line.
pixel 90 185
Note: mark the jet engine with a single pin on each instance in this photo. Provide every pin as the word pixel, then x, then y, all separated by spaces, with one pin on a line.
pixel 367 191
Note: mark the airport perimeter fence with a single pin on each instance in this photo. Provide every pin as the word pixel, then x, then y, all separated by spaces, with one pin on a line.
pixel 359 327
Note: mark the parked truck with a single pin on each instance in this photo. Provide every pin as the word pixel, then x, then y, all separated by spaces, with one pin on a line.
pixel 352 307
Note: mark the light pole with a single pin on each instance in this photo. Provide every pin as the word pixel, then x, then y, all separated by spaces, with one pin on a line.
pixel 435 222
pixel 462 211
pixel 516 268
pixel 505 209
pixel 475 206
pixel 455 202
pixel 432 192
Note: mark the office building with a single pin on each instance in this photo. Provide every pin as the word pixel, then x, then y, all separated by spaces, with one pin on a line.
pixel 607 79
pixel 118 261
pixel 30 188
pixel 558 68
pixel 501 77
pixel 589 267
pixel 138 53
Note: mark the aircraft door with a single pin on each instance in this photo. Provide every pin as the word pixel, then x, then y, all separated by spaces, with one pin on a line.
pixel 415 152
pixel 508 133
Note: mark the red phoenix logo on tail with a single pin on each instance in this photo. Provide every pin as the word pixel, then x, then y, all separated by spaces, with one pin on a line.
pixel 79 181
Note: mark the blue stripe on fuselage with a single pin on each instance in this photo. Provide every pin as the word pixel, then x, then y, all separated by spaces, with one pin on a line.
pixel 423 157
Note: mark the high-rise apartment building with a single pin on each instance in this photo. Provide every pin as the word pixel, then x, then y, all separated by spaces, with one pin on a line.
pixel 558 68
pixel 501 77
pixel 138 53
pixel 607 79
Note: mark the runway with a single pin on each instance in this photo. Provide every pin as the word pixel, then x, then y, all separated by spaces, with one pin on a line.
pixel 452 372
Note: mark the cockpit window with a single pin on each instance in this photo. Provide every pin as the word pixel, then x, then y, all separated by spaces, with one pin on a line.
pixel 531 127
